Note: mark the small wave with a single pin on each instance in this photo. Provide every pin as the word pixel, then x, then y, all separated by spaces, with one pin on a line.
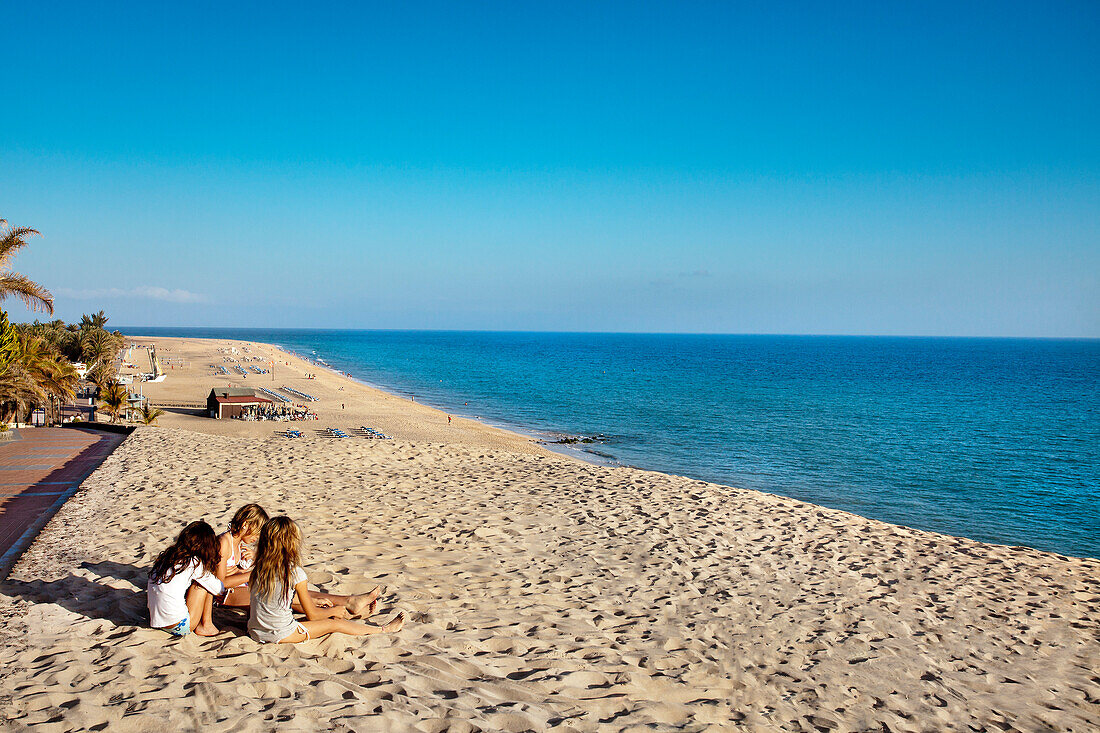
pixel 601 454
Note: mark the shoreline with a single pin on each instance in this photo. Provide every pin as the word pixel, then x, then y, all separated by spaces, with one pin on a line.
pixel 595 460
pixel 540 437
pixel 931 442
pixel 513 431
pixel 537 437
pixel 192 384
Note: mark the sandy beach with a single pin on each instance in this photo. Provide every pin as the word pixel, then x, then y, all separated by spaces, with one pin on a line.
pixel 542 592
pixel 341 402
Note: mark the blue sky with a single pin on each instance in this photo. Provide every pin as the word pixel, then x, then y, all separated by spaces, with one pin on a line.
pixel 877 168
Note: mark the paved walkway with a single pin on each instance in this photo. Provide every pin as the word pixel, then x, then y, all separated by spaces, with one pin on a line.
pixel 38 473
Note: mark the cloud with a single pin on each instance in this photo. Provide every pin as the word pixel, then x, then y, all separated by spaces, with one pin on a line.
pixel 142 292
pixel 172 296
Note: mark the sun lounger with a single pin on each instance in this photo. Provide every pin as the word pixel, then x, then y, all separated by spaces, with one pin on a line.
pixel 276 395
pixel 296 393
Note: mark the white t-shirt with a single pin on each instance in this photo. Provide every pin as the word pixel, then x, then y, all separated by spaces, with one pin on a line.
pixel 168 601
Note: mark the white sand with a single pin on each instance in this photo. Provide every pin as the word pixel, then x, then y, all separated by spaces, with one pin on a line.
pixel 543 592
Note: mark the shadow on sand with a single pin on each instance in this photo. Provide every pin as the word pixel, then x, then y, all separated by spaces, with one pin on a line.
pixel 96 599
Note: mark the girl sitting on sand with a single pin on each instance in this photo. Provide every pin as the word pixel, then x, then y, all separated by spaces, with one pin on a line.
pixel 181 581
pixel 234 560
pixel 235 565
pixel 278 578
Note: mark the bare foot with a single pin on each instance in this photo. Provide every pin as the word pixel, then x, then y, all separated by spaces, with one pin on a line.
pixel 395 624
pixel 207 630
pixel 366 612
pixel 359 603
pixel 322 602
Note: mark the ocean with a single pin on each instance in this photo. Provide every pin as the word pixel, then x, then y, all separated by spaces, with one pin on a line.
pixel 993 439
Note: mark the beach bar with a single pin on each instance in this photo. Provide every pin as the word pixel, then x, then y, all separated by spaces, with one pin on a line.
pixel 228 402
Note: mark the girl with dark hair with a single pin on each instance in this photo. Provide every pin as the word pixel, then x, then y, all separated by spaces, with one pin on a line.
pixel 181 580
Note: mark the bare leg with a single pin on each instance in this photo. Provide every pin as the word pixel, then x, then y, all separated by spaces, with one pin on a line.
pixel 208 612
pixel 239 597
pixel 355 604
pixel 197 605
pixel 325 626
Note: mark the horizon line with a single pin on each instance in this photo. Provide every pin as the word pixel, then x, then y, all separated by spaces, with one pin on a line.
pixel 614 333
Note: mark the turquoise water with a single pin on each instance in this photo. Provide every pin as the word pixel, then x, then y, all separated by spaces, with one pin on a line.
pixel 994 439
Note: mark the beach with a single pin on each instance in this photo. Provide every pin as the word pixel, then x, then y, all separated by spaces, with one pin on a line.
pixel 341 402
pixel 542 592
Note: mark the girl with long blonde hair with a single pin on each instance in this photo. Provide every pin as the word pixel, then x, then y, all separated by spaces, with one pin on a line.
pixel 235 565
pixel 278 580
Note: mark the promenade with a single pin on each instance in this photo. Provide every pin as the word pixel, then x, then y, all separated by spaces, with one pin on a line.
pixel 39 471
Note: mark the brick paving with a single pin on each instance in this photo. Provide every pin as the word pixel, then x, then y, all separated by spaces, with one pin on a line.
pixel 38 473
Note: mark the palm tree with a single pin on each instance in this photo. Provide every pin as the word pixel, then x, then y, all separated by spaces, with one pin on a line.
pixel 33 351
pixel 53 376
pixel 36 297
pixel 96 321
pixel 19 392
pixel 58 336
pixel 32 361
pixel 97 345
pixel 101 375
pixel 59 381
pixel 117 342
pixel 112 400
pixel 149 414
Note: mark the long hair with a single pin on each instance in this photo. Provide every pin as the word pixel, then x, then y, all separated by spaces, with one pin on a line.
pixel 249 519
pixel 197 541
pixel 277 552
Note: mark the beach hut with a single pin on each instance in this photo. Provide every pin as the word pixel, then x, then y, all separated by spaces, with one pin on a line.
pixel 225 402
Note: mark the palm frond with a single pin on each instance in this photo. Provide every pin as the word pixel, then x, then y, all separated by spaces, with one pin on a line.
pixel 149 414
pixel 31 293
pixel 12 239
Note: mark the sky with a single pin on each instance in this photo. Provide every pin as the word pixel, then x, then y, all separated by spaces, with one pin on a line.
pixel 801 168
